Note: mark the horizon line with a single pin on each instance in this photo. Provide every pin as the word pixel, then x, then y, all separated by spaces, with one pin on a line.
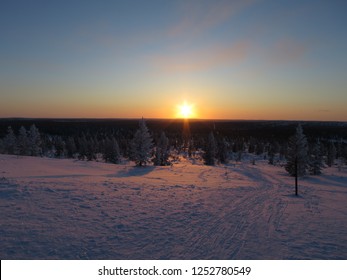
pixel 169 119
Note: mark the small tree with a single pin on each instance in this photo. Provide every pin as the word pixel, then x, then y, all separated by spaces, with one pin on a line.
pixel 91 149
pixel 162 151
pixel 211 150
pixel 223 151
pixel 316 160
pixel 71 148
pixel 10 142
pixel 111 151
pixel 141 145
pixel 271 154
pixel 82 147
pixel 331 156
pixel 297 156
pixel 23 142
pixel 34 141
pixel 59 147
pixel 2 149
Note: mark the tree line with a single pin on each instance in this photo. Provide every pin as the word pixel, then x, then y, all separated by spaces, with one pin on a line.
pixel 298 156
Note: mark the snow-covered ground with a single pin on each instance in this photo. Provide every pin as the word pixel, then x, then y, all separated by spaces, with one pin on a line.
pixel 66 209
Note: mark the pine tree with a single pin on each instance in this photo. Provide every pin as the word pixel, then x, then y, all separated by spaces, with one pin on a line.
pixel 91 149
pixel 271 154
pixel 344 153
pixel 34 140
pixel 71 147
pixel 162 151
pixel 297 156
pixel 82 147
pixel 223 151
pixel 251 146
pixel 10 142
pixel 2 148
pixel 259 148
pixel 210 151
pixel 59 145
pixel 23 142
pixel 111 151
pixel 331 156
pixel 141 145
pixel 316 160
pixel 191 148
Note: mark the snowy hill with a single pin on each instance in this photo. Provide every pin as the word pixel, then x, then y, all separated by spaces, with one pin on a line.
pixel 66 209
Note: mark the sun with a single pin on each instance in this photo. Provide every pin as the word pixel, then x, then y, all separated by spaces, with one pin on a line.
pixel 185 111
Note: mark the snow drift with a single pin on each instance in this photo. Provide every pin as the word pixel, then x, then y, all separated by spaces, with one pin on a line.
pixel 66 209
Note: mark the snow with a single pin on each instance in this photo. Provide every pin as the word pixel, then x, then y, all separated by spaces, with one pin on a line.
pixel 67 209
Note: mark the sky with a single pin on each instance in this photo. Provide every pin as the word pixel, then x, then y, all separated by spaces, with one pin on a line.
pixel 226 59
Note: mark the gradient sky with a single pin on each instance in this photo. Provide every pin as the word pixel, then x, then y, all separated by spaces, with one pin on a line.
pixel 127 59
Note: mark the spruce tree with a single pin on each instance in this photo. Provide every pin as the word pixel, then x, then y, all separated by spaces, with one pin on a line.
pixel 297 156
pixel 91 149
pixel 211 150
pixel 23 142
pixel 223 151
pixel 271 154
pixel 59 145
pixel 111 151
pixel 34 140
pixel 316 160
pixel 2 149
pixel 71 147
pixel 141 145
pixel 162 151
pixel 331 156
pixel 10 142
pixel 82 147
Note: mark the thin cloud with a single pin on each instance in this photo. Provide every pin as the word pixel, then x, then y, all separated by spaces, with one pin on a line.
pixel 203 59
pixel 288 50
pixel 200 16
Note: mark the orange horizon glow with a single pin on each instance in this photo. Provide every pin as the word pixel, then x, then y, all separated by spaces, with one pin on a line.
pixel 235 107
pixel 185 111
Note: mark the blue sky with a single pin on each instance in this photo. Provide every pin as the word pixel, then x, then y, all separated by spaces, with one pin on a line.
pixel 229 59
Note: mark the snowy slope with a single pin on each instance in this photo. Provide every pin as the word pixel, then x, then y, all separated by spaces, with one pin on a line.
pixel 66 209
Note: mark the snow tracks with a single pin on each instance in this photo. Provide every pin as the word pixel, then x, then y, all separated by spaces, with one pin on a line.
pixel 72 210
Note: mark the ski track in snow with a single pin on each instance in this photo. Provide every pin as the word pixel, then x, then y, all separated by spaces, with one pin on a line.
pixel 65 209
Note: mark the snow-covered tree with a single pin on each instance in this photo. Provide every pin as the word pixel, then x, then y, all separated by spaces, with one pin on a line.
pixel 59 147
pixel 259 149
pixel 141 145
pixel 23 141
pixel 71 148
pixel 297 158
pixel 2 148
pixel 331 156
pixel 211 150
pixel 316 159
pixel 271 154
pixel 92 145
pixel 10 142
pixel 223 151
pixel 34 140
pixel 161 157
pixel 191 148
pixel 82 147
pixel 111 151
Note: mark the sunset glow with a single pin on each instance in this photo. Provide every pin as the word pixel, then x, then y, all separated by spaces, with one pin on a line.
pixel 185 111
pixel 236 59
